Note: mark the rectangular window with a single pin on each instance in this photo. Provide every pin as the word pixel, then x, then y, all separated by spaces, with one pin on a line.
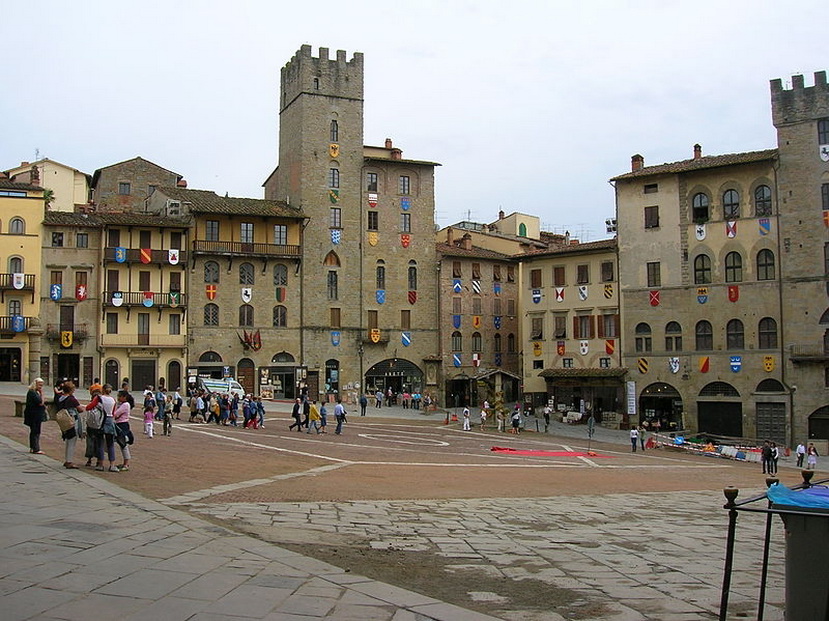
pixel 334 317
pixel 651 217
pixel 558 276
pixel 175 240
pixel 560 322
pixel 651 188
pixel 81 279
pixel 211 230
pixel 823 131
pixel 511 307
pixel 113 280
pixel 405 320
pixel 609 326
pixel 371 182
pixel 372 319
pixel 535 279
pixel 373 221
pixel 333 177
pixel 654 274
pixel 537 328
pixel 538 364
pixel 582 274
pixel 457 306
pixel 406 222
pixel 82 240
pixel 175 281
pixel 175 324
pixel 56 277
pixel 144 281
pixel 583 327
pixel 496 306
pixel 604 363
pixel 336 220
pixel 567 363
pixel 457 272
pixel 114 238
pixel 124 188
pixel 150 189
pixel 280 235
pixel 57 240
pixel 246 232
pixel 496 273
pixel 404 185
pixel 476 305
pixel 476 271
pixel 145 239
pixel 333 292
pixel 607 271
pixel 510 273
pixel 112 323
pixel 824 196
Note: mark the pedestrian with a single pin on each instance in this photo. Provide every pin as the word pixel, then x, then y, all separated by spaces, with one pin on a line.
pixel 124 437
pixel 483 416
pixel 296 412
pixel 465 414
pixel 161 403
pixel 195 406
pixel 811 457
pixel 323 417
pixel 260 411
pixel 547 411
pixel 234 407
pixel 34 414
pixel 775 456
pixel 363 404
pixel 224 409
pixel 178 402
pixel 104 403
pixel 167 425
pixel 93 420
pixel 314 418
pixel 66 400
pixel 149 414
pixel 765 457
pixel 407 399
pixel 634 438
pixel 378 399
pixel 339 414
pixel 306 412
pixel 800 451
pixel 642 435
pixel 516 420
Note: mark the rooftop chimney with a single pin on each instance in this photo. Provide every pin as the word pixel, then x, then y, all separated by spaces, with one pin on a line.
pixel 388 143
pixel 35 178
pixel 181 183
pixel 697 151
pixel 450 236
pixel 637 162
pixel 24 163
pixel 466 241
pixel 501 214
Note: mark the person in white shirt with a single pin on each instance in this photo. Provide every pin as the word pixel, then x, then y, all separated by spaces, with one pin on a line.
pixel 466 426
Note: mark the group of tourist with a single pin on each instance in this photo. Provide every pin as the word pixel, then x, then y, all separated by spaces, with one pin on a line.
pixel 307 415
pixel 409 400
pixel 224 408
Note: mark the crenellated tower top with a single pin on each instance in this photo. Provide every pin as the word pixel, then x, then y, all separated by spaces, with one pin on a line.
pixel 800 102
pixel 305 74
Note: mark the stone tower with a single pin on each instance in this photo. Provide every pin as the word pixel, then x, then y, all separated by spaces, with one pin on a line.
pixel 801 117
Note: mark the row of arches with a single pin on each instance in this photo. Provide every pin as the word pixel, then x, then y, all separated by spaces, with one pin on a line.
pixel 735 335
pixel 764 266
pixel 731 203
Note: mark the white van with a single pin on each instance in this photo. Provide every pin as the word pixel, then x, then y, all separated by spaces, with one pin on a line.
pixel 228 385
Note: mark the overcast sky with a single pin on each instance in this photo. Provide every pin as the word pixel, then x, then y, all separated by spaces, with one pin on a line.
pixel 528 106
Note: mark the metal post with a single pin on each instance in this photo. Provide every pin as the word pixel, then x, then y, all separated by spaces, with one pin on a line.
pixel 765 570
pixel 730 494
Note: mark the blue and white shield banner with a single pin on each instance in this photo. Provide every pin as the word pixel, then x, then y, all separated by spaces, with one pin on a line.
pixel 406 338
pixel 148 299
pixel 247 294
pixel 736 363
pixel 496 321
pixel 336 236
pixel 117 298
pixel 172 256
pixel 673 364
pixel 476 286
pixel 56 292
pixel 18 323
pixel 456 285
pixel 120 254
pixel 498 360
pixel 335 338
pixel 823 151
pixel 18 280
pixel 582 292
pixel 536 296
pixel 702 295
pixel 496 288
pixel 380 296
pixel 405 203
pixel 456 360
pixel 456 321
pixel 765 226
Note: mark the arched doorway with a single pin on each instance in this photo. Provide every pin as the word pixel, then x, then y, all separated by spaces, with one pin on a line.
pixel 819 424
pixel 246 375
pixel 211 365
pixel 394 373
pixel 771 411
pixel 174 375
pixel 280 379
pixel 662 403
pixel 720 411
pixel 111 374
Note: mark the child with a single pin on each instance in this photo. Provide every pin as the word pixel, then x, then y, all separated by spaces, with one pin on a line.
pixel 149 415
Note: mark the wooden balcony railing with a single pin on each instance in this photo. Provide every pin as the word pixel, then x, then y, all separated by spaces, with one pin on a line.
pixel 7 324
pixel 156 256
pixel 136 298
pixel 7 282
pixel 143 340
pixel 79 331
pixel 202 246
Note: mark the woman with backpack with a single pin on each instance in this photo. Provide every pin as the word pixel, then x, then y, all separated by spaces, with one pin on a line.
pixel 101 425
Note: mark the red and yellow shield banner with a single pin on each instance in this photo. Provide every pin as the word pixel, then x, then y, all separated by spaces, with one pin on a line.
pixel 210 291
pixel 405 240
pixel 146 255
pixel 374 334
pixel 66 339
pixel 704 364
pixel 610 346
pixel 733 293
pixel 768 364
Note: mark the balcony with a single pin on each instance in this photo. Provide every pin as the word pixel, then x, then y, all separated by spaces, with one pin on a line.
pixel 816 353
pixel 160 341
pixel 6 324
pixel 134 256
pixel 202 246
pixel 80 331
pixel 136 298
pixel 7 282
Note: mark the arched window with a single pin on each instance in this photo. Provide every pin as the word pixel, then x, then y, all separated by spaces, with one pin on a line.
pixel 700 204
pixel 497 346
pixel 333 285
pixel 211 315
pixel 245 274
pixel 280 317
pixel 673 336
pixel 734 335
pixel 704 334
pixel 522 230
pixel 733 267
pixel 510 343
pixel 457 341
pixel 16 265
pixel 765 265
pixel 477 342
pixel 380 274
pixel 210 356
pixel 642 341
pixel 331 259
pixel 767 333
pixel 211 272
pixel 412 275
pixel 17 226
pixel 762 201
pixel 702 269
pixel 282 358
pixel 731 204
pixel 335 131
pixel 280 274
pixel 246 316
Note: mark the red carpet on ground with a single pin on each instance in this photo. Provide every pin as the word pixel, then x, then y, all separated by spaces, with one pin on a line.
pixel 531 453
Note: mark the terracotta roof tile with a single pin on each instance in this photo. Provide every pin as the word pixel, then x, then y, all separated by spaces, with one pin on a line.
pixel 602 244
pixel 206 201
pixel 479 253
pixel 13 185
pixel 710 161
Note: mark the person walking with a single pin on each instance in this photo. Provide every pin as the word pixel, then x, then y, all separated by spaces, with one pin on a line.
pixel 642 438
pixel 483 416
pixel 296 413
pixel 314 418
pixel 306 412
pixel 378 399
pixel 775 456
pixel 811 457
pixel 765 457
pixel 465 414
pixel 516 420
pixel 339 414
pixel 547 411
pixel 363 404
pixel 149 415
pixel 105 442
pixel 323 417
pixel 66 400
pixel 260 411
pixel 124 437
pixel 800 451
pixel 634 438
pixel 34 413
